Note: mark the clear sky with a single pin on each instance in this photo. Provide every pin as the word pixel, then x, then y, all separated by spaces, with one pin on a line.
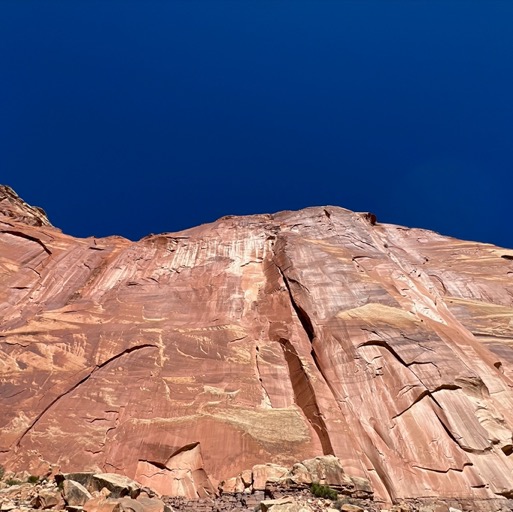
pixel 136 117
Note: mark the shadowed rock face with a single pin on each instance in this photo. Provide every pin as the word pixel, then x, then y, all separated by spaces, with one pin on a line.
pixel 185 358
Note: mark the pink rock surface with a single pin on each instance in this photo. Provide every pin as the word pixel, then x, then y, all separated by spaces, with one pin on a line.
pixel 185 358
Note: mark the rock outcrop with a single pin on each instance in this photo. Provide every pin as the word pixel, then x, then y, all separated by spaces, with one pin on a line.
pixel 65 493
pixel 185 358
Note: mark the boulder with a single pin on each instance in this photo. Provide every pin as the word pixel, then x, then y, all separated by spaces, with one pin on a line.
pixel 74 493
pixel 299 474
pixel 326 470
pixel 362 487
pixel 118 485
pixel 267 473
pixel 247 478
pixel 48 499
pixel 84 478
pixel 232 485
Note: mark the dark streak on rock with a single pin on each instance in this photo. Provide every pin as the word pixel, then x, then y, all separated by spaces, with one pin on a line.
pixel 27 237
pixel 304 395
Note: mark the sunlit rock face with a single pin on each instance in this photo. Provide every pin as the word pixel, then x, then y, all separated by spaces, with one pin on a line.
pixel 185 358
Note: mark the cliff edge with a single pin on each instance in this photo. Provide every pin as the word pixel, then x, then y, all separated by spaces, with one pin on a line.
pixel 185 358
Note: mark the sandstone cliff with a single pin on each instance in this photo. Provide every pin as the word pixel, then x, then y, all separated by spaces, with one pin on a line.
pixel 185 358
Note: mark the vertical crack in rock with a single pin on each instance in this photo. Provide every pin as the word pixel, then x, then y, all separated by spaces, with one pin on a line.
pixel 303 317
pixel 299 378
pixel 118 413
pixel 304 395
pixel 75 386
pixel 266 400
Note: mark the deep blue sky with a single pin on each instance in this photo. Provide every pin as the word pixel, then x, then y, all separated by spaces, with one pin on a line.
pixel 136 117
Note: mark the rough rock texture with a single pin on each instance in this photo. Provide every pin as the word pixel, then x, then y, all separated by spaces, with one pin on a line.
pixel 185 358
pixel 72 496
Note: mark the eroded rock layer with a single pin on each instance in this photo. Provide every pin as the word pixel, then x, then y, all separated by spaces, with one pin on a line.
pixel 185 358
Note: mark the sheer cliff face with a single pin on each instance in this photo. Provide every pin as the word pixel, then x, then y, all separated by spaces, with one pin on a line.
pixel 184 358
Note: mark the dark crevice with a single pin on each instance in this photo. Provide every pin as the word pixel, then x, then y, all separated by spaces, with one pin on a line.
pixel 309 330
pixel 507 494
pixel 300 312
pixel 158 465
pixel 384 344
pixel 7 397
pixel 507 449
pixel 369 217
pixel 429 393
pixel 361 257
pixel 439 279
pixel 447 431
pixel 28 237
pixel 303 390
pixel 75 386
pixel 418 399
pixel 34 270
pixel 257 365
pixel 184 448
pixel 301 285
pixel 304 395
pixel 446 470
pixel 453 437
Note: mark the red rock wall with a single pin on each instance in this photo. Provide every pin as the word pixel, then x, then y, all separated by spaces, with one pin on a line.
pixel 185 358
